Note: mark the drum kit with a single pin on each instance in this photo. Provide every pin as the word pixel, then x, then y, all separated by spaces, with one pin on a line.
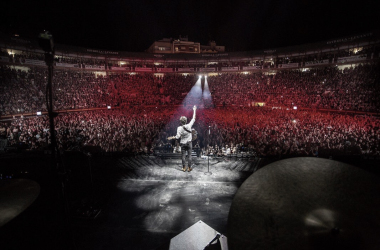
pixel 297 203
pixel 15 196
pixel 306 203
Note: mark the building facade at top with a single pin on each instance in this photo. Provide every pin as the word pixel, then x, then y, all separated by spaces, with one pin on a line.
pixel 182 45
pixel 183 56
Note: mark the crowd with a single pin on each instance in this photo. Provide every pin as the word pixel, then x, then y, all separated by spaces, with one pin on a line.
pixel 290 132
pixel 355 89
pixel 222 131
pixel 128 130
pixel 24 92
pixel 146 108
pixel 321 88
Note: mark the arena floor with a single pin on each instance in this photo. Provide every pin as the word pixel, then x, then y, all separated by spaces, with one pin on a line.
pixel 155 200
pixel 143 202
pixel 126 202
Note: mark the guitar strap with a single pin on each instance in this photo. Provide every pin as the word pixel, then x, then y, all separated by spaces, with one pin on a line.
pixel 188 132
pixel 186 129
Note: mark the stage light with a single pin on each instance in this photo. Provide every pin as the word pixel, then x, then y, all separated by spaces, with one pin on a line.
pixel 46 42
pixel 108 107
pixel 205 76
pixel 295 107
pixel 39 113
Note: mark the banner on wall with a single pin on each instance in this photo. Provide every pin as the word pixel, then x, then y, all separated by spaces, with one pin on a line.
pixel 4 59
pixel 67 65
pixel 351 58
pixel 94 67
pixel 230 68
pixel 185 69
pixel 35 62
pixel 119 68
pixel 289 65
pixel 215 55
pixel 103 51
pixel 251 67
pixel 317 62
pixel 206 69
pixel 165 70
pixel 142 69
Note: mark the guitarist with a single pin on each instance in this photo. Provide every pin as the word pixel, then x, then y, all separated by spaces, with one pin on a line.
pixel 184 132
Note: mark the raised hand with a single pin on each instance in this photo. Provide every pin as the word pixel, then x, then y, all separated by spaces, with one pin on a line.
pixel 195 108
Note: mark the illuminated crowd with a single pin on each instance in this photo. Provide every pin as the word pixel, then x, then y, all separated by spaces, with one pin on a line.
pixel 320 88
pixel 354 89
pixel 145 109
pixel 222 131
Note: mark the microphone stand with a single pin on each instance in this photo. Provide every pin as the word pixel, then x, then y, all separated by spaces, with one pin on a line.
pixel 208 155
pixel 47 44
pixel 216 238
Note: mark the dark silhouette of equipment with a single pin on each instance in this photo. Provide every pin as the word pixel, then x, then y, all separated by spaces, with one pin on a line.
pixel 306 203
pixel 15 196
pixel 197 237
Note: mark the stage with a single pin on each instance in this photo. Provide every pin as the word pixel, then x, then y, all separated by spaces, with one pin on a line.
pixel 155 200
pixel 144 201
pixel 116 201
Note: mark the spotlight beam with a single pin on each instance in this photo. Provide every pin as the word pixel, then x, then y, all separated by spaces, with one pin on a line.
pixel 207 99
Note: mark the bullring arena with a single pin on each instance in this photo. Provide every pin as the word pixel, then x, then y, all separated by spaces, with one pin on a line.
pixel 114 181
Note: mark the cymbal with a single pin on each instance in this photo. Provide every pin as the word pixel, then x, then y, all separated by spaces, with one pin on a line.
pixel 15 196
pixel 306 203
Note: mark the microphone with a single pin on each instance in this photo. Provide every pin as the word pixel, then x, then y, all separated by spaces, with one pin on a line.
pixel 217 236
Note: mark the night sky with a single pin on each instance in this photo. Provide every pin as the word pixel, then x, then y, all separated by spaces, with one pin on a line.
pixel 238 25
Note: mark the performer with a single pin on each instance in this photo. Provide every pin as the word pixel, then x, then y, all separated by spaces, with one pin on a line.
pixel 184 132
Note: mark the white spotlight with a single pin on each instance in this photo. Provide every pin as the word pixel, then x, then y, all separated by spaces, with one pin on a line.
pixel 205 76
pixel 200 76
pixel 294 107
pixel 108 107
pixel 39 113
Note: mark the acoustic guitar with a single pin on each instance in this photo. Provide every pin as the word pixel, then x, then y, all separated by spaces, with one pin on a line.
pixel 194 135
